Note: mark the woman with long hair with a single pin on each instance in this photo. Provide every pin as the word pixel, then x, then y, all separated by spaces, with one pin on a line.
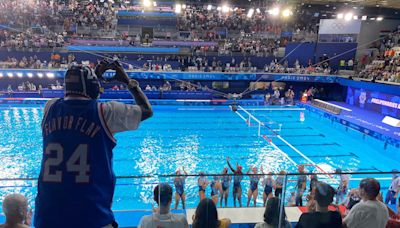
pixel 225 183
pixel 202 182
pixel 271 215
pixel 206 216
pixel 179 183
pixel 237 180
pixel 268 183
pixel 253 190
pixel 216 188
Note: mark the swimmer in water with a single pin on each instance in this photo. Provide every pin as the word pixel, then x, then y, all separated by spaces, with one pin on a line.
pixel 216 189
pixel 268 183
pixel 179 183
pixel 237 179
pixel 202 182
pixel 226 182
pixel 253 190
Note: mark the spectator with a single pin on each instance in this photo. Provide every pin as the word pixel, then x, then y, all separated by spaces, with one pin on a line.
pixel 15 208
pixel 163 217
pixel 206 215
pixel 394 189
pixel 352 199
pixel 84 191
pixel 322 217
pixel 350 64
pixel 369 213
pixel 271 215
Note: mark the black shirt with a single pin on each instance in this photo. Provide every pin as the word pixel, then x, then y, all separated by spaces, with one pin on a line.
pixel 331 219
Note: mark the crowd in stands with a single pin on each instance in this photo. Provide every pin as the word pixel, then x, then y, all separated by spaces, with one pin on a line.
pixel 278 67
pixel 201 18
pixel 385 65
pixel 33 62
pixel 162 63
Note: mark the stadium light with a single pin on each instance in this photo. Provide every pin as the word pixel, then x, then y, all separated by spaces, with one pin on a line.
pixel 147 3
pixel 10 75
pixel 355 17
pixel 287 13
pixel 340 16
pixel 178 8
pixel 364 17
pixel 19 74
pixel 258 10
pixel 219 8
pixel 372 18
pixel 40 75
pixel 183 6
pixel 209 7
pixel 225 8
pixel 155 4
pixel 250 13
pixel 274 11
pixel 1 75
pixel 348 16
pixel 50 75
pixel 379 18
pixel 30 74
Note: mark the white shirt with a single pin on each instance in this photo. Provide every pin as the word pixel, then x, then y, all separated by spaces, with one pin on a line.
pixel 395 185
pixel 163 221
pixel 367 214
pixel 118 116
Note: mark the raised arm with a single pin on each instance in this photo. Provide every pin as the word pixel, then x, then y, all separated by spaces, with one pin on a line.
pixel 133 86
pixel 248 171
pixel 184 171
pixel 229 164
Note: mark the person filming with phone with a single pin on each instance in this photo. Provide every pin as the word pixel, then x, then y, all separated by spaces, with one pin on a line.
pixel 77 182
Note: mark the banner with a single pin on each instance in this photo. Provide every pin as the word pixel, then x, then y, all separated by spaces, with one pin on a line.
pixel 299 78
pixel 209 76
pixel 388 105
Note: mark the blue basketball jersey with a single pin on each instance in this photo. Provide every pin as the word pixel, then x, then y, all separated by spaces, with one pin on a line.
pixel 76 182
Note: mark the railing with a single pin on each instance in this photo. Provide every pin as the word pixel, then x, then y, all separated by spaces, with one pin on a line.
pixel 135 192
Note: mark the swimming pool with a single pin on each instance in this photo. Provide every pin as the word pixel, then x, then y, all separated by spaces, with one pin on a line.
pixel 198 138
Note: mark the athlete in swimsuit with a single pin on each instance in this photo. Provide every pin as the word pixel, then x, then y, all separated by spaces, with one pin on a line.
pixel 216 189
pixel 226 182
pixel 237 179
pixel 268 183
pixel 202 182
pixel 179 183
pixel 279 183
pixel 253 191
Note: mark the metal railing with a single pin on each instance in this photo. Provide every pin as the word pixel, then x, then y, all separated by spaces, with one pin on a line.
pixel 141 187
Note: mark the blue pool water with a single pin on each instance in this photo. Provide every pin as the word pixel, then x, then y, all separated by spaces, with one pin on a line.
pixel 198 138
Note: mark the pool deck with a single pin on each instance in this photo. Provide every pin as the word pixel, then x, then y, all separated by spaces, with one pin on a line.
pixel 365 121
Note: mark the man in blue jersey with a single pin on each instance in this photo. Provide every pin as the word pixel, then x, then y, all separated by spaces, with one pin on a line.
pixel 76 182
